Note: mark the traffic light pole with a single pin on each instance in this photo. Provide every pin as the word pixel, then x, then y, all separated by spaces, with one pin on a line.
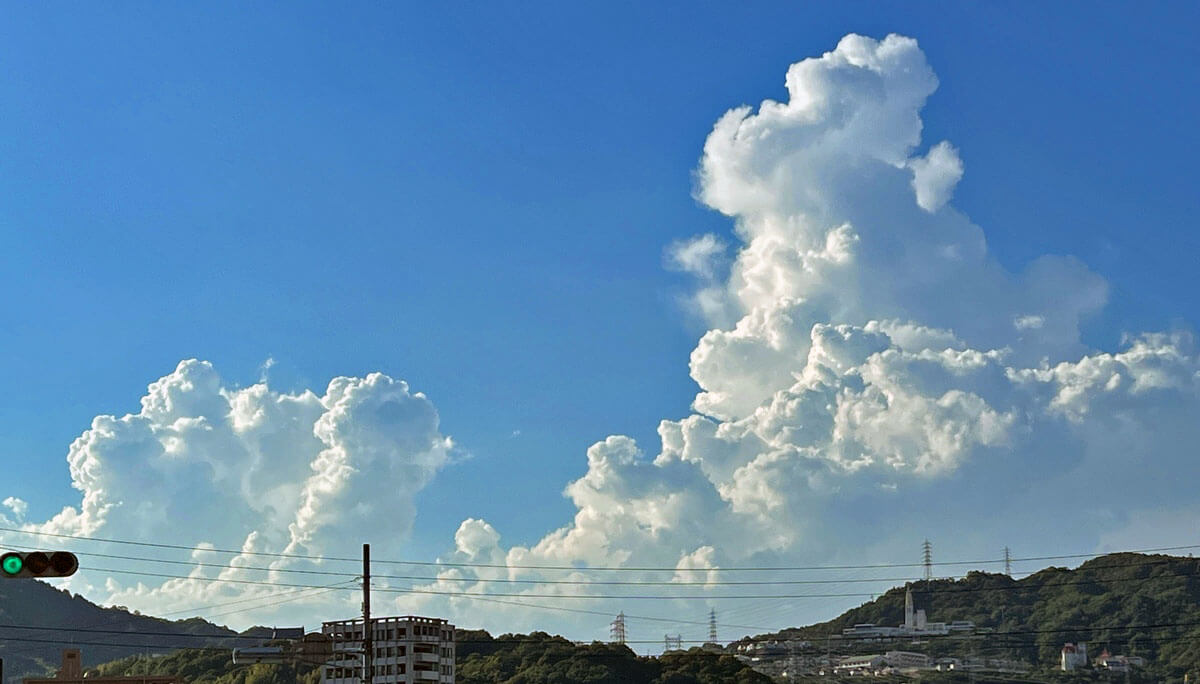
pixel 368 629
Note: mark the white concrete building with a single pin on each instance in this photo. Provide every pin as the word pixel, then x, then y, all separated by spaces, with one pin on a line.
pixel 1073 656
pixel 407 650
pixel 903 660
pixel 868 631
pixel 862 664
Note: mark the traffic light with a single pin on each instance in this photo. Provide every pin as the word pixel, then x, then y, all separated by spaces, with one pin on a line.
pixel 38 564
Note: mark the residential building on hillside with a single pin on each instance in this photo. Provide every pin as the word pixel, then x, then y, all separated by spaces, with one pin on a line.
pixel 407 650
pixel 1073 656
pixel 861 664
pixel 903 660
pixel 1118 663
pixel 71 672
pixel 947 664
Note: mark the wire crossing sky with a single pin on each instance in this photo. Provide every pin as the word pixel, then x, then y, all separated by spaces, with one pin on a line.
pixel 549 301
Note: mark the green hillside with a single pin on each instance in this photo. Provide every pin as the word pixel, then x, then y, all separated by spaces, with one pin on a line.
pixel 45 616
pixel 210 666
pixel 539 658
pixel 536 658
pixel 1133 604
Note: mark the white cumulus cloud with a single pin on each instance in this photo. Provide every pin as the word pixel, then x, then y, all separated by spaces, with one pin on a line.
pixel 882 376
pixel 205 465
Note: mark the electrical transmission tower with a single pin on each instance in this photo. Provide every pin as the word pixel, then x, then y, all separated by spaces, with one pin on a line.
pixel 1007 562
pixel 673 643
pixel 618 628
pixel 927 554
pixel 712 626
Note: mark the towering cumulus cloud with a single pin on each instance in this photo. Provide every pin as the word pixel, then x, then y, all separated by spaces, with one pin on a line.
pixel 204 465
pixel 872 375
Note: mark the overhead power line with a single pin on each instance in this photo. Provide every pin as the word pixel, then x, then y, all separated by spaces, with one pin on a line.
pixel 502 580
pixel 660 597
pixel 641 597
pixel 226 637
pixel 505 580
pixel 310 557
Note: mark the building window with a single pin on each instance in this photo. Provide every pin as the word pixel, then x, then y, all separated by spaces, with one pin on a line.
pixel 400 651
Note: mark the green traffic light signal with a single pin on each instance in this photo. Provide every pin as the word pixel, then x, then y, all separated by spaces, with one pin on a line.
pixel 11 563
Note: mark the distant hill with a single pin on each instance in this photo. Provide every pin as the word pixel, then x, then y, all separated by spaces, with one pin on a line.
pixel 47 614
pixel 210 667
pixel 1133 604
pixel 536 658
pixel 540 658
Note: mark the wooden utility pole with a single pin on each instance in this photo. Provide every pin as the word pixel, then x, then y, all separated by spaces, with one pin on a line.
pixel 368 642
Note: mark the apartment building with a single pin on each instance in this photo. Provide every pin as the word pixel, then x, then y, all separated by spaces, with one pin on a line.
pixel 407 650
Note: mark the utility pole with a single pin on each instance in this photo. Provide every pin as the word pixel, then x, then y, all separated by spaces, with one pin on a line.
pixel 368 642
pixel 829 654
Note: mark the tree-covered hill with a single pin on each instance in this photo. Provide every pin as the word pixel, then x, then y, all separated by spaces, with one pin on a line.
pixel 36 619
pixel 210 666
pixel 537 658
pixel 1134 604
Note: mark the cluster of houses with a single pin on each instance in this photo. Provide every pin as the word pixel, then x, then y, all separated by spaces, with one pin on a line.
pixel 893 662
pixel 1074 656
pixel 792 659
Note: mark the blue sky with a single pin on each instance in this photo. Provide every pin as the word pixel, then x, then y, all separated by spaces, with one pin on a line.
pixel 478 199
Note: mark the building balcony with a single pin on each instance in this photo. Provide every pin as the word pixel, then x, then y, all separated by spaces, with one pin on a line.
pixel 426 658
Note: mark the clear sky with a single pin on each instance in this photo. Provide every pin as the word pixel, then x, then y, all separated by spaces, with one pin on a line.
pixel 496 204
